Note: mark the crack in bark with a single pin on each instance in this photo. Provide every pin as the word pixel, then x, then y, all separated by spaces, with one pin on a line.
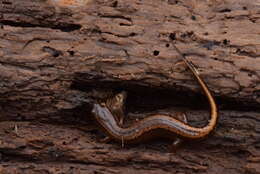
pixel 19 65
pixel 116 17
pixel 65 27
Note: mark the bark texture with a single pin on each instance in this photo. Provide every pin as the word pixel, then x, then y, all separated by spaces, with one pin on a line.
pixel 58 56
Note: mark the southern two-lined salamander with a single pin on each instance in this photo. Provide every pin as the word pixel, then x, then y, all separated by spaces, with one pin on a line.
pixel 157 125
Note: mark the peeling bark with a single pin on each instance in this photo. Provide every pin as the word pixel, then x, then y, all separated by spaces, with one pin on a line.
pixel 54 53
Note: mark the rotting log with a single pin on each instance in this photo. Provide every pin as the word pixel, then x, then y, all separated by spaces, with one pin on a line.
pixel 54 53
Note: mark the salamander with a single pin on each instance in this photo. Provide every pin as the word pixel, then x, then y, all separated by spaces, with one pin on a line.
pixel 157 125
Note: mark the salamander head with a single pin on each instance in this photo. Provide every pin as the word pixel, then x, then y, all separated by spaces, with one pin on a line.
pixel 102 113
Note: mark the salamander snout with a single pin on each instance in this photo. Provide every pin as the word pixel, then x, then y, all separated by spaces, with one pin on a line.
pixel 101 112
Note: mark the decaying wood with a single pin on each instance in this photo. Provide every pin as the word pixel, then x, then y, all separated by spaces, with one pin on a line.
pixel 58 56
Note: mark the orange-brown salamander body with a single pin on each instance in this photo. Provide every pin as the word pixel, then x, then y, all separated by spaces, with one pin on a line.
pixel 156 124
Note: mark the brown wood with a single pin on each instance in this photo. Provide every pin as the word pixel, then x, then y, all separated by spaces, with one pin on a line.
pixel 53 53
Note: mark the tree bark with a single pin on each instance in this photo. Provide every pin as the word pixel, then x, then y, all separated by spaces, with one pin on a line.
pixel 58 56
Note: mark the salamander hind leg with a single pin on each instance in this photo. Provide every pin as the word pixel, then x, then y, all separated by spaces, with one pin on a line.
pixel 107 139
pixel 178 141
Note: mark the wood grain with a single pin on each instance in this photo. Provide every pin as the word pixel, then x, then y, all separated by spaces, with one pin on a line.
pixel 54 53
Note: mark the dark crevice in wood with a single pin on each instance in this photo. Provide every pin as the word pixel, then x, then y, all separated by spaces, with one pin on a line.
pixel 10 155
pixel 52 51
pixel 116 17
pixel 63 27
pixel 144 98
pixel 226 10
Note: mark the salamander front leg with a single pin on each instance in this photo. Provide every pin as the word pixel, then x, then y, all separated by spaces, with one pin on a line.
pixel 121 121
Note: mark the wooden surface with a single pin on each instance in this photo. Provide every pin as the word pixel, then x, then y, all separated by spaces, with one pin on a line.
pixel 58 56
